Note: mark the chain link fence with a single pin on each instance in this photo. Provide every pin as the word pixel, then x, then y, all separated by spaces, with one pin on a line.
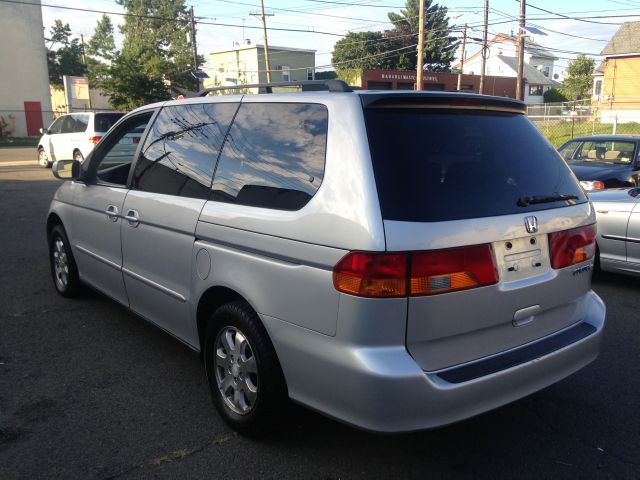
pixel 564 121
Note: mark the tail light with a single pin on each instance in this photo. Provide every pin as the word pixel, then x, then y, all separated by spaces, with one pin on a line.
pixel 382 275
pixel 569 247
pixel 590 185
pixel 95 139
pixel 136 140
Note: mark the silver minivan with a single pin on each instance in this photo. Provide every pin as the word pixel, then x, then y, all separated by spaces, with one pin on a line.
pixel 395 260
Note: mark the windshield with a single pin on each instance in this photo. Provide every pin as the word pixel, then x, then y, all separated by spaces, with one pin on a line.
pixel 436 165
pixel 599 151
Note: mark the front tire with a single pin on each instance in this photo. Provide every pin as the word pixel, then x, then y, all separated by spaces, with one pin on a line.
pixel 63 266
pixel 244 374
pixel 43 159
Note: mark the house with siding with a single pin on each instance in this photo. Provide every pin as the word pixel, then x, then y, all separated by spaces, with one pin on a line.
pixel 502 61
pixel 616 81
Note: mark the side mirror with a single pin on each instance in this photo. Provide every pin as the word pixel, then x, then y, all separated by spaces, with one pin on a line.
pixel 43 131
pixel 66 169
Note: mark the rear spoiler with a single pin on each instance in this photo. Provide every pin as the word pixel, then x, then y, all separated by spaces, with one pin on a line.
pixel 447 100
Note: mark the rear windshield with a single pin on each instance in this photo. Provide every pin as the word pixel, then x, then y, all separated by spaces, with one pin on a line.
pixel 438 165
pixel 104 121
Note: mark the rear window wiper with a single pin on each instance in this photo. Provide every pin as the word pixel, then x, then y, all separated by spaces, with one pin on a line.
pixel 526 201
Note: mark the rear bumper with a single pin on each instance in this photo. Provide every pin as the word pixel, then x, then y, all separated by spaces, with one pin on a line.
pixel 383 389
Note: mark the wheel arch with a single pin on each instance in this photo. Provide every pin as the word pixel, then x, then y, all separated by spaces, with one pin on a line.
pixel 211 299
pixel 52 220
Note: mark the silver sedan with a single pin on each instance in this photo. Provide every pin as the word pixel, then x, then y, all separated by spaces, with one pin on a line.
pixel 618 240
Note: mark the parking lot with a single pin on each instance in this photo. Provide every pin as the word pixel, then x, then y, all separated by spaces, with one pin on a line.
pixel 88 390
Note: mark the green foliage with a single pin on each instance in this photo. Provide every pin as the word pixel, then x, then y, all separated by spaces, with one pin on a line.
pixel 395 48
pixel 101 50
pixel 66 59
pixel 156 55
pixel 579 81
pixel 328 75
pixel 554 95
pixel 362 50
pixel 129 87
pixel 349 75
pixel 439 46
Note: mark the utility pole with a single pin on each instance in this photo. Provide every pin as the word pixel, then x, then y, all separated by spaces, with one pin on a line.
pixel 485 50
pixel 419 67
pixel 194 45
pixel 84 62
pixel 464 43
pixel 519 82
pixel 264 33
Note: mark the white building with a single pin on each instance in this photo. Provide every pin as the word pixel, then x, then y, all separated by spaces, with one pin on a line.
pixel 246 65
pixel 502 61
pixel 25 103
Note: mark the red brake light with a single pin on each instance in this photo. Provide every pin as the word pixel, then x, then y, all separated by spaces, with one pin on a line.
pixel 372 274
pixel 453 269
pixel 95 139
pixel 380 275
pixel 569 247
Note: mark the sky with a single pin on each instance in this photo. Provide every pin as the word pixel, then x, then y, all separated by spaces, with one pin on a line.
pixel 325 21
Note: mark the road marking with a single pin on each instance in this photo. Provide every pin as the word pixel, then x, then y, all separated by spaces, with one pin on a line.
pixel 18 163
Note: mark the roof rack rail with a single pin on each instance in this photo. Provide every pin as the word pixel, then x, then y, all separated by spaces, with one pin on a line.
pixel 332 85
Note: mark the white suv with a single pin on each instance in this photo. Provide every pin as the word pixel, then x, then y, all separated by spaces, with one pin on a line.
pixel 73 136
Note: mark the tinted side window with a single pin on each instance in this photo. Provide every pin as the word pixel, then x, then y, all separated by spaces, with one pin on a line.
pixel 104 121
pixel 56 125
pixel 274 156
pixel 81 123
pixel 181 149
pixel 68 124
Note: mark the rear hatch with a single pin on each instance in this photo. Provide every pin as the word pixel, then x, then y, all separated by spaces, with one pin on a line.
pixel 468 183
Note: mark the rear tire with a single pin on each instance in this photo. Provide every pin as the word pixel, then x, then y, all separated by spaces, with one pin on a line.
pixel 244 374
pixel 63 266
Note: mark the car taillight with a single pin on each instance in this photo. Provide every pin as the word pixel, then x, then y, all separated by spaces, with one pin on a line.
pixel 366 274
pixel 590 185
pixel 453 269
pixel 136 140
pixel 95 139
pixel 569 247
pixel 372 274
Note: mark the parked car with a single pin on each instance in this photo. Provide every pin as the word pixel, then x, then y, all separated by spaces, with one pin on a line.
pixel 395 260
pixel 73 136
pixel 618 241
pixel 604 161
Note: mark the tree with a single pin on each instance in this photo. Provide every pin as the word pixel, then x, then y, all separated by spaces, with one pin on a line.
pixel 554 95
pixel 579 81
pixel 363 50
pixel 101 51
pixel 439 46
pixel 67 58
pixel 156 54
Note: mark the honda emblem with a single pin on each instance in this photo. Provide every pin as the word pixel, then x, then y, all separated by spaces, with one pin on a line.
pixel 531 223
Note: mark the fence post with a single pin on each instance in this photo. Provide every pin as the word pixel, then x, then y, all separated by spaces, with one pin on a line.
pixel 593 125
pixel 573 123
pixel 615 124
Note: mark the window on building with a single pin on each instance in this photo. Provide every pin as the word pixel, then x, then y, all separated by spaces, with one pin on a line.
pixel 273 157
pixel 597 87
pixel 535 90
pixel 286 74
pixel 546 71
pixel 310 74
pixel 181 149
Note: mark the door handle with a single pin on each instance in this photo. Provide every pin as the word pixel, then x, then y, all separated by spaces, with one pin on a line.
pixel 112 213
pixel 133 217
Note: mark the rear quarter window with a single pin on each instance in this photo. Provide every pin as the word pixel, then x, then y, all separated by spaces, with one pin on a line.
pixel 273 156
pixel 436 165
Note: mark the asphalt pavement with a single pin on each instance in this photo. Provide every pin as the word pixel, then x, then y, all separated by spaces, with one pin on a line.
pixel 88 390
